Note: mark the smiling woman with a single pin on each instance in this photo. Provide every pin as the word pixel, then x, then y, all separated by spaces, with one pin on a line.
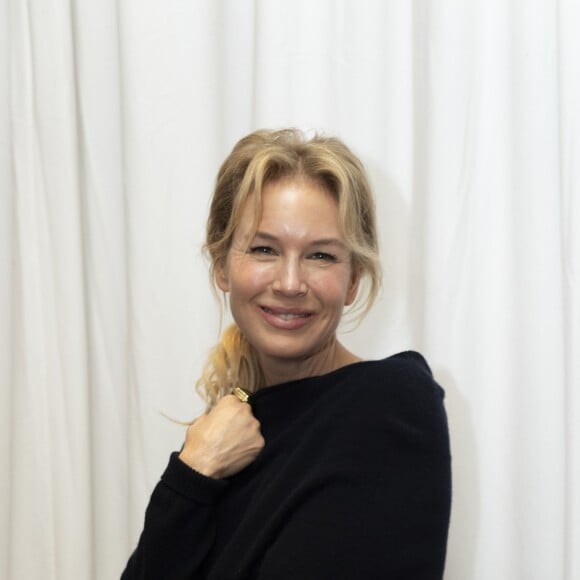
pixel 289 281
pixel 320 465
pixel 322 179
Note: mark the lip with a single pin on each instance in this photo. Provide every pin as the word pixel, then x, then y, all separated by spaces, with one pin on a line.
pixel 286 318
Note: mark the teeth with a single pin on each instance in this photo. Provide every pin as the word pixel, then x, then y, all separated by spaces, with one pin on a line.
pixel 287 316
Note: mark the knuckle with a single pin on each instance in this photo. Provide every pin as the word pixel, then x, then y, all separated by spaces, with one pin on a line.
pixel 227 400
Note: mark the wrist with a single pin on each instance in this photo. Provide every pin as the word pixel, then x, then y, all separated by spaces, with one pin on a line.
pixel 203 466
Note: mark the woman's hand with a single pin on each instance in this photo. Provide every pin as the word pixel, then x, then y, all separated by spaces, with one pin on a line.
pixel 223 441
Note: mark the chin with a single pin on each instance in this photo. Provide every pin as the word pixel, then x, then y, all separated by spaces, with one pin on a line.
pixel 284 352
pixel 292 350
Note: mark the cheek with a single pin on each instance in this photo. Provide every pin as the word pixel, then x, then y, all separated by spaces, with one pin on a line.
pixel 246 278
pixel 331 288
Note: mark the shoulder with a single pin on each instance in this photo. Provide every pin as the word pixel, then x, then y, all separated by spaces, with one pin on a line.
pixel 396 394
pixel 405 372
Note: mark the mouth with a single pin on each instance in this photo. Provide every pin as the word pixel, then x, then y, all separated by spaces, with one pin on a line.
pixel 286 314
pixel 286 319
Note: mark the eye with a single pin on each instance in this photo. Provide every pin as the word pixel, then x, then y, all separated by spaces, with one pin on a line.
pixel 323 256
pixel 262 251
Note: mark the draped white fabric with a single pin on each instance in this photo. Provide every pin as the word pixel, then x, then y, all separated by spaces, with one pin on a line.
pixel 114 117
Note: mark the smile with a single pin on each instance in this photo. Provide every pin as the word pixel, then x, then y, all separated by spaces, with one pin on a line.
pixel 285 315
pixel 289 319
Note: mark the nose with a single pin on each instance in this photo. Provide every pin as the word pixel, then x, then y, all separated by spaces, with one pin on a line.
pixel 289 279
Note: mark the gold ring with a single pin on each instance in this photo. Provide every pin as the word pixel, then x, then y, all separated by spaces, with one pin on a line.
pixel 241 394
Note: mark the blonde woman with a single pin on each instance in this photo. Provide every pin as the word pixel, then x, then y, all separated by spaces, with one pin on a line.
pixel 310 462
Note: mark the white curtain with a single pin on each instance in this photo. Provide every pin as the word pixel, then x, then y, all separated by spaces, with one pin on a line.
pixel 114 117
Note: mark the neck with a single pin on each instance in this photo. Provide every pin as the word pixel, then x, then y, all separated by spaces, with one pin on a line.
pixel 332 357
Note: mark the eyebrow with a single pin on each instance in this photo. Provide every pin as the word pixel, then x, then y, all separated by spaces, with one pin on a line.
pixel 322 242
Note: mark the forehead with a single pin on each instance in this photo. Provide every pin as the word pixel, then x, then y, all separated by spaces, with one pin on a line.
pixel 294 206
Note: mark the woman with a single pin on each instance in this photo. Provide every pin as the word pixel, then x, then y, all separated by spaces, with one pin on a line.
pixel 334 467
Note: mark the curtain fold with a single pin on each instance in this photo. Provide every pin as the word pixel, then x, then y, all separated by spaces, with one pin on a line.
pixel 569 162
pixel 114 117
pixel 6 296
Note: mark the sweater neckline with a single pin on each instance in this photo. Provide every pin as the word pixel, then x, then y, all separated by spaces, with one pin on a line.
pixel 306 381
pixel 279 405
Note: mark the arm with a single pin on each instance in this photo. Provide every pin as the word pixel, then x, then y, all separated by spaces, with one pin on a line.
pixel 350 532
pixel 179 528
pixel 179 525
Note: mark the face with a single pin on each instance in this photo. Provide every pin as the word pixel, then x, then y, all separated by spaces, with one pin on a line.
pixel 289 282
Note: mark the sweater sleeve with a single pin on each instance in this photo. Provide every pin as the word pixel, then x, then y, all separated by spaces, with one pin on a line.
pixel 388 516
pixel 179 527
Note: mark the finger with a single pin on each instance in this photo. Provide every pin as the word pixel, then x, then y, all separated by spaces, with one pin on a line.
pixel 241 394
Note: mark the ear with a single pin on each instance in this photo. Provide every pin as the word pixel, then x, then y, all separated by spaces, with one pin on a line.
pixel 222 278
pixel 353 288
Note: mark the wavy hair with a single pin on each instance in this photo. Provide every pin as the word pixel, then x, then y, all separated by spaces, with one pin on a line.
pixel 261 158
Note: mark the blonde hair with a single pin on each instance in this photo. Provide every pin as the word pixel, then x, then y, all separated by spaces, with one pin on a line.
pixel 258 159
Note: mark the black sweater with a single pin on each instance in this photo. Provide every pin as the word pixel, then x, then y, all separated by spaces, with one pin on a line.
pixel 353 483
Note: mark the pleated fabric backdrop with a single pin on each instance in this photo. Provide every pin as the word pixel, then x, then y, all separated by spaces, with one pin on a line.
pixel 114 117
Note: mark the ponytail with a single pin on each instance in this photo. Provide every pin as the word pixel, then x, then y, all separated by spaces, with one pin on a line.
pixel 231 363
